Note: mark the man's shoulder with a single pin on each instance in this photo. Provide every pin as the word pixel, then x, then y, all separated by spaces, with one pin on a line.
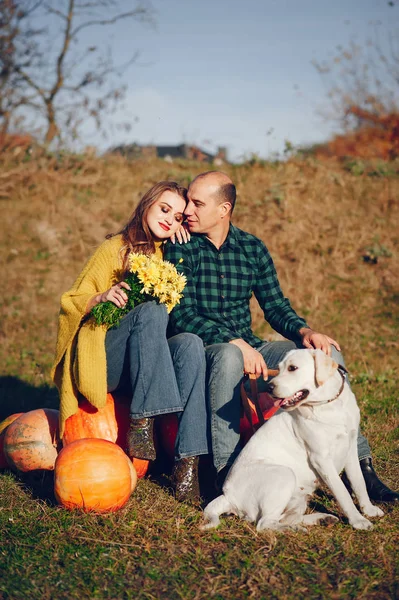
pixel 242 236
pixel 177 249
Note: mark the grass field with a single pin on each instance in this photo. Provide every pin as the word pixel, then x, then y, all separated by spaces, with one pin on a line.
pixel 334 235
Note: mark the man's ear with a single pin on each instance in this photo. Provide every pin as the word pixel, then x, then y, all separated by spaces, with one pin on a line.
pixel 325 366
pixel 225 209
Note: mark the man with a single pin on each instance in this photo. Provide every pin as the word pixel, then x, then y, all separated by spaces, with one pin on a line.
pixel 224 266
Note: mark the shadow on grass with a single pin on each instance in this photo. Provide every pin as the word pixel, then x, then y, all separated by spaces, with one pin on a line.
pixel 39 485
pixel 17 395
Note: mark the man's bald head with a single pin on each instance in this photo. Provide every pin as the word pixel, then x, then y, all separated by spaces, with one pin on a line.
pixel 220 186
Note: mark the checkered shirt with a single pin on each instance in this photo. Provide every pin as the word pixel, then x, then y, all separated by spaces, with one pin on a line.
pixel 220 284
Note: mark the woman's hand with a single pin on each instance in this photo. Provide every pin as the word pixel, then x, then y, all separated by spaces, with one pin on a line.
pixel 116 294
pixel 182 235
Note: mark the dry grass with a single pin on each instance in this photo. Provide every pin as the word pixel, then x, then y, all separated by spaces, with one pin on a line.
pixel 335 241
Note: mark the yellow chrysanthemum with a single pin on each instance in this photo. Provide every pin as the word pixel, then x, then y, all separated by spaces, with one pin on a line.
pixel 159 278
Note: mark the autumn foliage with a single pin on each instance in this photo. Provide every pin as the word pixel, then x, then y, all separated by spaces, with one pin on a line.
pixel 377 136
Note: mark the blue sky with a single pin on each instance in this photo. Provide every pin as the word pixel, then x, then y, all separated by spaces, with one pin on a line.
pixel 226 72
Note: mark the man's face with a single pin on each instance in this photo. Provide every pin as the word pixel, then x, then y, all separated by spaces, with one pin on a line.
pixel 202 211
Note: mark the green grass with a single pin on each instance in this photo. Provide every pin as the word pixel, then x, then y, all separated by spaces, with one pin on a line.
pixel 319 222
pixel 153 547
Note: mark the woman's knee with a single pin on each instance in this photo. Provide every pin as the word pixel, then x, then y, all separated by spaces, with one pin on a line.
pixel 151 313
pixel 186 344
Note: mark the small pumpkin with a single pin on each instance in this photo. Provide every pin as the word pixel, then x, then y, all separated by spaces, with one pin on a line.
pixel 93 475
pixel 3 426
pixel 108 423
pixel 31 441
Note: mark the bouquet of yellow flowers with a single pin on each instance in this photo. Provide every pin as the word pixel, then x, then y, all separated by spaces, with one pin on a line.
pixel 149 278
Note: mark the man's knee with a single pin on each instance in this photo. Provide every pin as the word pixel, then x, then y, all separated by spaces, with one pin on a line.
pixel 274 352
pixel 337 356
pixel 226 357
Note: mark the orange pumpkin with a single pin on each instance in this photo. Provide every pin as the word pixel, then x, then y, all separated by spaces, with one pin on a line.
pixel 31 441
pixel 141 466
pixel 90 422
pixel 94 475
pixel 3 426
pixel 108 423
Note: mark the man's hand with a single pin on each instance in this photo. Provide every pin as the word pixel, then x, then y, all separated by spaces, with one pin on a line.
pixel 253 360
pixel 312 339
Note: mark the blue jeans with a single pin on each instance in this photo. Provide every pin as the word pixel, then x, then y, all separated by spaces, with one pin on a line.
pixel 225 367
pixel 164 376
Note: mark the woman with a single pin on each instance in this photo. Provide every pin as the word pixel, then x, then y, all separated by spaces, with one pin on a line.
pixel 164 375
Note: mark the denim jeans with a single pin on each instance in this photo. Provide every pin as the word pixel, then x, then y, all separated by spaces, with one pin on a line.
pixel 224 370
pixel 164 376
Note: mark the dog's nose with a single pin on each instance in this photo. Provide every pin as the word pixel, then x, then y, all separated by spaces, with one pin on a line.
pixel 269 388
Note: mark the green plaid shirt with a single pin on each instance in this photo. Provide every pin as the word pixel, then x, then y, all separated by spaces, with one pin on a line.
pixel 220 284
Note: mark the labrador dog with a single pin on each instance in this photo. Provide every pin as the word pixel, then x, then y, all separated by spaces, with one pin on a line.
pixel 311 440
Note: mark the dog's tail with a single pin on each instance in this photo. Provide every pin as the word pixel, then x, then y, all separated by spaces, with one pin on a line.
pixel 212 512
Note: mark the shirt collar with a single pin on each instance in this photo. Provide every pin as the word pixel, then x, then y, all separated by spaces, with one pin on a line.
pixel 230 241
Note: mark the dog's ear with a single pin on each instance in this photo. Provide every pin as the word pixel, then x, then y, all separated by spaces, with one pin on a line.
pixel 325 366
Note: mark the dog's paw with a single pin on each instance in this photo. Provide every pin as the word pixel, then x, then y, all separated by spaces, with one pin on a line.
pixel 209 524
pixel 373 511
pixel 361 523
pixel 329 520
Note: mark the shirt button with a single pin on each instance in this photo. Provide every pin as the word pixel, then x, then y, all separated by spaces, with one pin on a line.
pixel 222 276
pixel 222 297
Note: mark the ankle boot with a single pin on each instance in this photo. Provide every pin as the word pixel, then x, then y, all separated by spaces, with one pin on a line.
pixel 185 480
pixel 140 439
pixel 377 490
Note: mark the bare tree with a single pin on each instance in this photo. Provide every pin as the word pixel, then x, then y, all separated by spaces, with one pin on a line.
pixel 362 79
pixel 51 72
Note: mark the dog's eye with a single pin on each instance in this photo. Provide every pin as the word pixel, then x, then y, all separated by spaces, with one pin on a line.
pixel 292 368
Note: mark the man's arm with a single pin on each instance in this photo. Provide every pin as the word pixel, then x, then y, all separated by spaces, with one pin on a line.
pixel 276 308
pixel 279 312
pixel 185 317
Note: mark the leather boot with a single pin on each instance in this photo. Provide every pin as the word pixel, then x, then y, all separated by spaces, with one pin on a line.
pixel 140 439
pixel 185 480
pixel 377 490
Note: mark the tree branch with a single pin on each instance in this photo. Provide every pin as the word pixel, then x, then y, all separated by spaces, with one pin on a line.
pixel 133 14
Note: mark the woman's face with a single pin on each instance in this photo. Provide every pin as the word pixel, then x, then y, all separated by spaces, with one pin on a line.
pixel 166 215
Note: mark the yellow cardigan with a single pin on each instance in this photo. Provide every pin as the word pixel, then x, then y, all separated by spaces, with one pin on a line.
pixel 80 365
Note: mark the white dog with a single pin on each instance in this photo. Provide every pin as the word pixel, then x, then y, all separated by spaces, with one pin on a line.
pixel 311 440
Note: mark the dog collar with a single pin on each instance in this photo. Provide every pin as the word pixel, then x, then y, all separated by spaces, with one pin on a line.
pixel 341 371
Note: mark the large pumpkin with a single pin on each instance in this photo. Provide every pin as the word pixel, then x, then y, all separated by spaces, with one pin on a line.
pixel 3 426
pixel 93 475
pixel 108 423
pixel 32 440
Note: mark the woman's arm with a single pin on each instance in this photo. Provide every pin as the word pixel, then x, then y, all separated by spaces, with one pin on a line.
pixel 115 294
